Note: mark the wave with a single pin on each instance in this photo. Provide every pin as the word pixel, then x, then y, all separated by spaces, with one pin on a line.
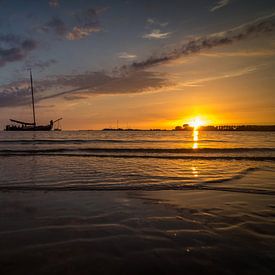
pixel 87 141
pixel 154 187
pixel 252 154
pixel 144 184
pixel 137 150
pixel 186 157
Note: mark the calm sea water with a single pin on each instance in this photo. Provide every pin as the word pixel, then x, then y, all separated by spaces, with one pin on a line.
pixel 99 160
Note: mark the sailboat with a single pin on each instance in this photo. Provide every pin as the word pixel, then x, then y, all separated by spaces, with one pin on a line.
pixel 29 126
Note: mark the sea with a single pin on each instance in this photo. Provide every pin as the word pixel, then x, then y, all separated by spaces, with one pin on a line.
pixel 138 160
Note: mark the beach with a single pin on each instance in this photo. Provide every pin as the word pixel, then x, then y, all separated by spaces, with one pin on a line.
pixel 92 202
pixel 137 232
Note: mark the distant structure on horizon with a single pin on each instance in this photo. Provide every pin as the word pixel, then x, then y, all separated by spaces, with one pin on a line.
pixel 187 127
pixel 131 129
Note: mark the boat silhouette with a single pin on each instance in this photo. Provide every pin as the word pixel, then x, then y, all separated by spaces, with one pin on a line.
pixel 30 126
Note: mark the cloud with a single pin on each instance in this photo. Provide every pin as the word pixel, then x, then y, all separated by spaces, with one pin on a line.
pixel 39 65
pixel 10 40
pixel 137 82
pixel 100 83
pixel 135 77
pixel 14 48
pixel 87 23
pixel 80 32
pixel 81 86
pixel 153 21
pixel 262 25
pixel 56 25
pixel 15 94
pixel 54 3
pixel 256 53
pixel 125 55
pixel 157 34
pixel 220 4
pixel 232 74
pixel 75 87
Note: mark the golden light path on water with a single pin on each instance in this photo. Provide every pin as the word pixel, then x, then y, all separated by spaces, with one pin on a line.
pixel 196 123
pixel 195 145
pixel 195 138
pixel 195 171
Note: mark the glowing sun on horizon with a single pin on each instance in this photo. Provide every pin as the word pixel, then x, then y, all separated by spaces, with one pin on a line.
pixel 196 122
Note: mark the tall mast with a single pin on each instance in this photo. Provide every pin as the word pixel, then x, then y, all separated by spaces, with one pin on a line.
pixel 33 110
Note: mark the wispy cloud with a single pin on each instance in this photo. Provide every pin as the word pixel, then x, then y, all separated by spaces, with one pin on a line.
pixel 157 34
pixel 56 25
pixel 87 23
pixel 14 94
pixel 232 74
pixel 39 65
pixel 220 4
pixel 15 48
pixel 75 87
pixel 125 55
pixel 153 21
pixel 262 25
pixel 80 32
pixel 54 3
pixel 256 53
pixel 155 31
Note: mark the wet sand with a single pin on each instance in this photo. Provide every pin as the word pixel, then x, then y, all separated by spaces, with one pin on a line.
pixel 137 232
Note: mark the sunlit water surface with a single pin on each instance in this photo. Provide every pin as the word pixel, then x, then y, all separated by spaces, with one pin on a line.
pixel 99 160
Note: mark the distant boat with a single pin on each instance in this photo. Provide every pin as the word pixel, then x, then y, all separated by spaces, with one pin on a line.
pixel 30 126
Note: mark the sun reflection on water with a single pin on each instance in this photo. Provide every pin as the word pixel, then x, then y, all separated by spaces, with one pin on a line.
pixel 195 172
pixel 195 138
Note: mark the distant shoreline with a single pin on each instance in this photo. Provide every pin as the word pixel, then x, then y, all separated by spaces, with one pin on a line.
pixel 243 128
pixel 223 128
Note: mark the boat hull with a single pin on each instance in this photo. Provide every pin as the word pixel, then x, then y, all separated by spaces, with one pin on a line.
pixel 29 128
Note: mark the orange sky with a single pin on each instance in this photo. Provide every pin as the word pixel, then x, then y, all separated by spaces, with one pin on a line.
pixel 229 86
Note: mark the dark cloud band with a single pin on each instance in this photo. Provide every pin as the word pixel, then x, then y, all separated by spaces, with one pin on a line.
pixel 14 48
pixel 198 44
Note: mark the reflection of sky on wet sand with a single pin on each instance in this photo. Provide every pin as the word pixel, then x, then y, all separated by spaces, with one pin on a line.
pixel 195 139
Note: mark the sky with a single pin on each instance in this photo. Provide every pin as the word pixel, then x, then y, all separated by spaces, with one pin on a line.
pixel 136 63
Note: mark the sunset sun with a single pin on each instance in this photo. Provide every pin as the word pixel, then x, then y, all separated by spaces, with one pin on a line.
pixel 196 122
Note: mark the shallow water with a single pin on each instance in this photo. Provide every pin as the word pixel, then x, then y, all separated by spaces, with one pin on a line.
pixel 99 160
